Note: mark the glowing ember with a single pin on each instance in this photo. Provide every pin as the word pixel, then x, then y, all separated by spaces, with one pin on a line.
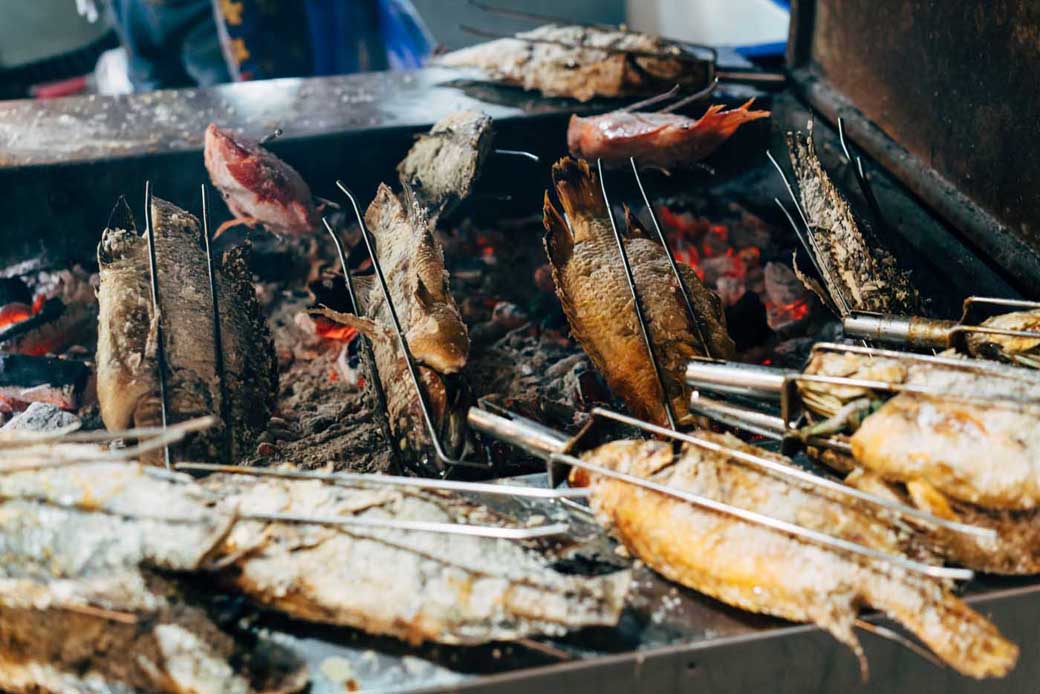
pixel 329 330
pixel 15 313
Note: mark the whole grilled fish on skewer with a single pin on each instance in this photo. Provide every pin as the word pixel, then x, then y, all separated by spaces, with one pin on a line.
pixel 258 187
pixel 665 140
pixel 442 166
pixel 127 367
pixel 81 605
pixel 978 450
pixel 596 299
pixel 1024 351
pixel 867 277
pixel 416 586
pixel 413 262
pixel 759 569
pixel 583 62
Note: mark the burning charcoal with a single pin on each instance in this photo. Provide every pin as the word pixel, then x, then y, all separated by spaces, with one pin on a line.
pixel 788 298
pixel 747 321
pixel 26 379
pixel 41 416
pixel 442 165
pixel 127 364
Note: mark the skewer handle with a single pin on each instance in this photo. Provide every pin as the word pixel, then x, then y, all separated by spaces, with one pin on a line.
pixel 736 378
pixel 520 432
pixel 913 331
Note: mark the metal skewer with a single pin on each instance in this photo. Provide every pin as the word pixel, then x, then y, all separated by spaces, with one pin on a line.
pixel 510 490
pixel 218 345
pixel 160 347
pixel 488 531
pixel 518 153
pixel 861 177
pixel 413 369
pixel 694 317
pixel 365 345
pixel 640 316
pixel 479 419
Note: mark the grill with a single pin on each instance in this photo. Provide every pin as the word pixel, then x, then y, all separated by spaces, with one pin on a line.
pixel 941 218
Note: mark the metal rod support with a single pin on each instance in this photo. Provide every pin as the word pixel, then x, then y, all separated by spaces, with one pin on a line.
pixel 160 346
pixel 218 343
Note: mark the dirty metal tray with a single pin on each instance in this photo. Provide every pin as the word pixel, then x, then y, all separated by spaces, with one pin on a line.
pixel 668 640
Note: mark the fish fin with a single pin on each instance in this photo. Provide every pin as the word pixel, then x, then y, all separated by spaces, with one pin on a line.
pixel 423 295
pixel 578 188
pixel 384 204
pixel 366 326
pixel 559 244
pixel 959 636
pixel 635 228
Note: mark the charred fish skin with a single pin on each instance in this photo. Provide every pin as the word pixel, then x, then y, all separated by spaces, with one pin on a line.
pixel 665 140
pixel 128 378
pixel 761 570
pixel 597 301
pixel 868 278
pixel 442 165
pixel 571 61
pixel 1024 351
pixel 449 589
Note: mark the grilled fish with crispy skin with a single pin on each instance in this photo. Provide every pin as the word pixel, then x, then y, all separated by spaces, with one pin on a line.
pixel 258 187
pixel 571 61
pixel 82 607
pixel 592 287
pixel 127 369
pixel 443 164
pixel 666 140
pixel 416 586
pixel 1024 351
pixel 763 570
pixel 867 276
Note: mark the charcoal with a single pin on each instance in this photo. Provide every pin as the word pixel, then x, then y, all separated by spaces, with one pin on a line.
pixel 40 416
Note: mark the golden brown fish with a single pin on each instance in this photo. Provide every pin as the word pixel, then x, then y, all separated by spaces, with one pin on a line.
pixel 127 369
pixel 591 284
pixel 1024 351
pixel 763 570
pixel 443 164
pixel 867 276
pixel 416 586
pixel 572 61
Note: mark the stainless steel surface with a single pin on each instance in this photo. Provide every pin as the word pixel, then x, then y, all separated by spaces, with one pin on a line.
pixel 521 432
pixel 737 378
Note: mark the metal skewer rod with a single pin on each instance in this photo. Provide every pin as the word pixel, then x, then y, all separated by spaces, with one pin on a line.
pixel 488 531
pixel 861 177
pixel 160 346
pixel 218 344
pixel 518 153
pixel 650 101
pixel 413 369
pixel 791 472
pixel 996 301
pixel 756 518
pixel 511 490
pixel 274 134
pixel 696 96
pixel 365 345
pixel 695 318
pixel 636 304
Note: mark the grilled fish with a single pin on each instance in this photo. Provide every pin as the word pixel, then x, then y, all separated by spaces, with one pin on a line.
pixel 866 276
pixel 127 369
pixel 416 586
pixel 413 263
pixel 666 140
pixel 442 165
pixel 1024 351
pixel 258 187
pixel 582 62
pixel 596 299
pixel 81 605
pixel 968 444
pixel 762 570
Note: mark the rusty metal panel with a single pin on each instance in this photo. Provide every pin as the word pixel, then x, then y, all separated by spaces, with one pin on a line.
pixel 955 86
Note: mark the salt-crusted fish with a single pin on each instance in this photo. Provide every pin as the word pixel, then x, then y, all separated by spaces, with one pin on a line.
pixel 976 440
pixel 866 276
pixel 666 140
pixel 127 369
pixel 1024 351
pixel 763 570
pixel 82 607
pixel 416 586
pixel 258 187
pixel 592 287
pixel 443 164
pixel 582 62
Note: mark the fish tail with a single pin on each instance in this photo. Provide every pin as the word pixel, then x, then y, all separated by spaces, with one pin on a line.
pixel 961 637
pixel 725 123
pixel 366 326
pixel 559 244
pixel 578 188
